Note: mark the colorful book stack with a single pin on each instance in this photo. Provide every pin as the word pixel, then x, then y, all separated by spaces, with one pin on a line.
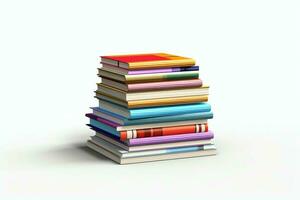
pixel 151 107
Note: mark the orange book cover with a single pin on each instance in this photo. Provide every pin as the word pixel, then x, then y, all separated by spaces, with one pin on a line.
pixel 152 60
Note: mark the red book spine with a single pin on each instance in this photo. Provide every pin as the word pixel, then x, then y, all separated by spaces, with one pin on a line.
pixel 162 131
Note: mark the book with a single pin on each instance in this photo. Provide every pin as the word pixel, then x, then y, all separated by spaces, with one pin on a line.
pixel 162 131
pixel 153 102
pixel 159 111
pixel 157 140
pixel 150 60
pixel 160 85
pixel 124 135
pixel 151 120
pixel 143 156
pixel 144 78
pixel 122 71
pixel 132 96
pixel 111 127
pixel 128 154
pixel 124 146
pixel 113 122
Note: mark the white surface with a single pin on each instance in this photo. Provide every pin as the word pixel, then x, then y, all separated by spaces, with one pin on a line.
pixel 248 51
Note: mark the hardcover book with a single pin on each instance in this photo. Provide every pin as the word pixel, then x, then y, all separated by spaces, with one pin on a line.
pixel 160 85
pixel 144 78
pixel 162 145
pixel 111 121
pixel 151 60
pixel 133 134
pixel 132 96
pixel 143 121
pixel 122 71
pixel 138 113
pixel 156 140
pixel 124 157
pixel 153 102
pixel 147 132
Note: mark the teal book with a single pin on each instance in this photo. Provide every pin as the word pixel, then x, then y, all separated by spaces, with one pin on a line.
pixel 160 111
pixel 173 118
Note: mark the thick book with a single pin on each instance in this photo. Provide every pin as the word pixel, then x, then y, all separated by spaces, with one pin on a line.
pixel 145 132
pixel 130 134
pixel 163 131
pixel 157 140
pixel 160 85
pixel 124 157
pixel 153 102
pixel 144 78
pixel 122 71
pixel 132 96
pixel 150 60
pixel 144 147
pixel 151 120
pixel 138 113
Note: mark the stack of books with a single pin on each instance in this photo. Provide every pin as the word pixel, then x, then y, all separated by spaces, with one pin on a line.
pixel 151 107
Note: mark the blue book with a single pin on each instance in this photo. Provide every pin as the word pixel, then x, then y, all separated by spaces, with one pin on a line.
pixel 124 121
pixel 106 128
pixel 140 113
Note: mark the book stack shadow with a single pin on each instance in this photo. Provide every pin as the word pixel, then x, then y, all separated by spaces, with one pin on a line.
pixel 151 107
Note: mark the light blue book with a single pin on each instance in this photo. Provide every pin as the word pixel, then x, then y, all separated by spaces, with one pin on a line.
pixel 124 121
pixel 104 127
pixel 140 113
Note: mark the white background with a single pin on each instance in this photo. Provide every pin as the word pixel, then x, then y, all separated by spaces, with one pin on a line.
pixel 248 52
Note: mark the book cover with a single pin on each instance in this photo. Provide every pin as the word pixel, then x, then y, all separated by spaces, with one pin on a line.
pixel 161 131
pixel 127 154
pixel 153 102
pixel 159 111
pixel 148 132
pixel 172 118
pixel 151 60
pixel 146 95
pixel 149 158
pixel 124 146
pixel 159 139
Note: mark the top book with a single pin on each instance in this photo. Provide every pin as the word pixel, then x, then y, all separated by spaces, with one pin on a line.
pixel 144 61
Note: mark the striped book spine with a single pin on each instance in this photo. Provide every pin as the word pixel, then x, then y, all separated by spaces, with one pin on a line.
pixel 163 131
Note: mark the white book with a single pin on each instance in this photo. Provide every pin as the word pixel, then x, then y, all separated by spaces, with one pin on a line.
pixel 147 158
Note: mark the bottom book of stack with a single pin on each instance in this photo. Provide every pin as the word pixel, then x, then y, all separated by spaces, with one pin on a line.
pixel 152 148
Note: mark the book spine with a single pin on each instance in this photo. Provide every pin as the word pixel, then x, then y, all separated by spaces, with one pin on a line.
pixel 163 131
pixel 164 85
pixel 170 138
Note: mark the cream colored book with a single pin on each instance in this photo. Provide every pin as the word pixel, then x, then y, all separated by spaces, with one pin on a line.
pixel 132 96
